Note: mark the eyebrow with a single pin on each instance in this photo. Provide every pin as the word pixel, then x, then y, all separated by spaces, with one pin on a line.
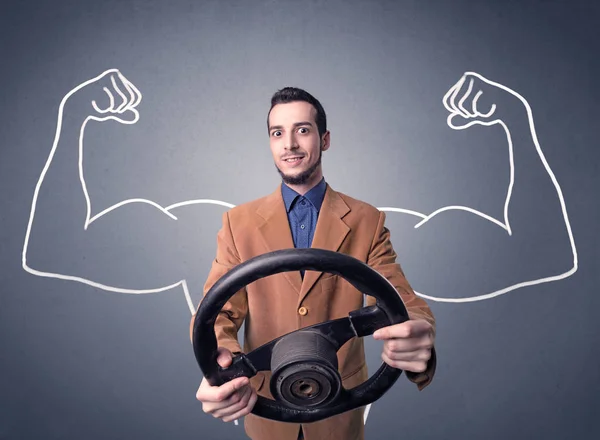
pixel 297 124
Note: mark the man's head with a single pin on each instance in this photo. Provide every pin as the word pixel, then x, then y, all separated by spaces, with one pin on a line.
pixel 297 135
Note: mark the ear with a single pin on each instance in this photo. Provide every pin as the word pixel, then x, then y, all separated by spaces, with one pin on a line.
pixel 325 141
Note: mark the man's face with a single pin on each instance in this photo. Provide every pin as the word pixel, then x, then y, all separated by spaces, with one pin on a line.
pixel 295 142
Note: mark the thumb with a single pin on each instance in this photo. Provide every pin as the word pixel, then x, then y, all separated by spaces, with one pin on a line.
pixel 458 121
pixel 128 116
pixel 224 357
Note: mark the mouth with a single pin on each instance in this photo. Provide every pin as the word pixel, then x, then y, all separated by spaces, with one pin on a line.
pixel 292 160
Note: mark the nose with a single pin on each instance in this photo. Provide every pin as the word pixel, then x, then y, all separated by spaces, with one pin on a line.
pixel 290 141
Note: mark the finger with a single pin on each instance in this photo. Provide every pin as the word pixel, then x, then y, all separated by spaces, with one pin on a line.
pixel 456 102
pixel 464 98
pixel 97 108
pixel 124 101
pixel 415 367
pixel 234 403
pixel 206 393
pixel 382 333
pixel 477 112
pixel 237 397
pixel 462 123
pixel 244 411
pixel 408 345
pixel 474 103
pixel 217 408
pixel 136 92
pixel 235 406
pixel 226 390
pixel 448 95
pixel 407 329
pixel 224 358
pixel 420 355
pixel 453 97
pixel 111 104
pixel 132 96
pixel 111 98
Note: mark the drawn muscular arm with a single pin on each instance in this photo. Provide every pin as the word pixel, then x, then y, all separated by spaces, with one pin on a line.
pixel 126 243
pixel 459 254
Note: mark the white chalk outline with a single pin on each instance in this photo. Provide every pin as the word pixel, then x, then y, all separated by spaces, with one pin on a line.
pixel 129 103
pixel 459 110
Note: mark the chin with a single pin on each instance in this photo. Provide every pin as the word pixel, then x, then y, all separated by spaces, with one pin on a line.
pixel 289 174
pixel 299 176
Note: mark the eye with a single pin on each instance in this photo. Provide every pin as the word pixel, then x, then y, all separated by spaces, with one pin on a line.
pixel 276 133
pixel 303 130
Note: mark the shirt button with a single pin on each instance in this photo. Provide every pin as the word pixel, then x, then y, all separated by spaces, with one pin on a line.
pixel 302 226
pixel 302 311
pixel 303 202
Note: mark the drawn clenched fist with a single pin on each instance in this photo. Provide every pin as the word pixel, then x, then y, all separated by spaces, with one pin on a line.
pixel 472 100
pixel 108 96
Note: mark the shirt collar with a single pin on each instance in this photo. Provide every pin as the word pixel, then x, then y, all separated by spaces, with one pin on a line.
pixel 315 195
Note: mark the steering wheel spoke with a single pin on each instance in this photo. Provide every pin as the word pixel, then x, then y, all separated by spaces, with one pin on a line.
pixel 367 320
pixel 240 366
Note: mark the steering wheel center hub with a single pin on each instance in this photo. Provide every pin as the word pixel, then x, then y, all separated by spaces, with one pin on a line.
pixel 304 366
pixel 306 388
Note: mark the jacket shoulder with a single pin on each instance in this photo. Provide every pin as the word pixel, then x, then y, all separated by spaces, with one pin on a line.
pixel 242 211
pixel 360 208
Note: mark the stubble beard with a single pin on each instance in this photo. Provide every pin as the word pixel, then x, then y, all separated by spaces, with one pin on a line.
pixel 304 176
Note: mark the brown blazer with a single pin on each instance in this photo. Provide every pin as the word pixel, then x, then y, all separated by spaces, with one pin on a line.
pixel 270 306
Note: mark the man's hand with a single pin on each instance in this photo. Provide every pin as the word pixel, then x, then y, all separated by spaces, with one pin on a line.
pixel 407 346
pixel 230 401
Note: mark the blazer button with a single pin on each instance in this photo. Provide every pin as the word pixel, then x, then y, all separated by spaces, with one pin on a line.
pixel 303 311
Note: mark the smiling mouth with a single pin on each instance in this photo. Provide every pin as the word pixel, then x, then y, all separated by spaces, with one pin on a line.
pixel 293 159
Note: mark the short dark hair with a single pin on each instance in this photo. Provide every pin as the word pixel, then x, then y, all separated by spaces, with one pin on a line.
pixel 294 94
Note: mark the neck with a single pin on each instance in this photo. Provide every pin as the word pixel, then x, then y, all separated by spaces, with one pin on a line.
pixel 310 184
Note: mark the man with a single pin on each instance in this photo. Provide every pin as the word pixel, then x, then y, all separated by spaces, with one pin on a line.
pixel 306 212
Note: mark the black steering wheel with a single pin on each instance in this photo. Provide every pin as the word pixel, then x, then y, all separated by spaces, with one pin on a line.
pixel 305 379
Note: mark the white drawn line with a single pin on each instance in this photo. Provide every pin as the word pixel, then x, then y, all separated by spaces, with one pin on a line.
pixel 132 95
pixel 124 104
pixel 135 97
pixel 125 202
pixel 460 208
pixel 130 104
pixel 452 94
pixel 405 211
pixel 464 98
pixel 192 202
pixel 476 112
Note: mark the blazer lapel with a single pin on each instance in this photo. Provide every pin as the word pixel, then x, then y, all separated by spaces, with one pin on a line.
pixel 275 231
pixel 330 232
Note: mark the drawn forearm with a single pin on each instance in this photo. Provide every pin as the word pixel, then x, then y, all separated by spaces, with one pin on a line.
pixel 59 205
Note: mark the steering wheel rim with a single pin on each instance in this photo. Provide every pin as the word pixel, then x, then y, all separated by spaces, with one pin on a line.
pixel 388 310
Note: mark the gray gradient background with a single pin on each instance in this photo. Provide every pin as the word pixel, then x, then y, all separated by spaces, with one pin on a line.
pixel 81 363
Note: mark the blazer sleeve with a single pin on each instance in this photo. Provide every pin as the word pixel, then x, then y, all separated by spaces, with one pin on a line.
pixel 382 257
pixel 233 313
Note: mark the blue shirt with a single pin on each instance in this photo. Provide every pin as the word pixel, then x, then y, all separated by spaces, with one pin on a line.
pixel 303 212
